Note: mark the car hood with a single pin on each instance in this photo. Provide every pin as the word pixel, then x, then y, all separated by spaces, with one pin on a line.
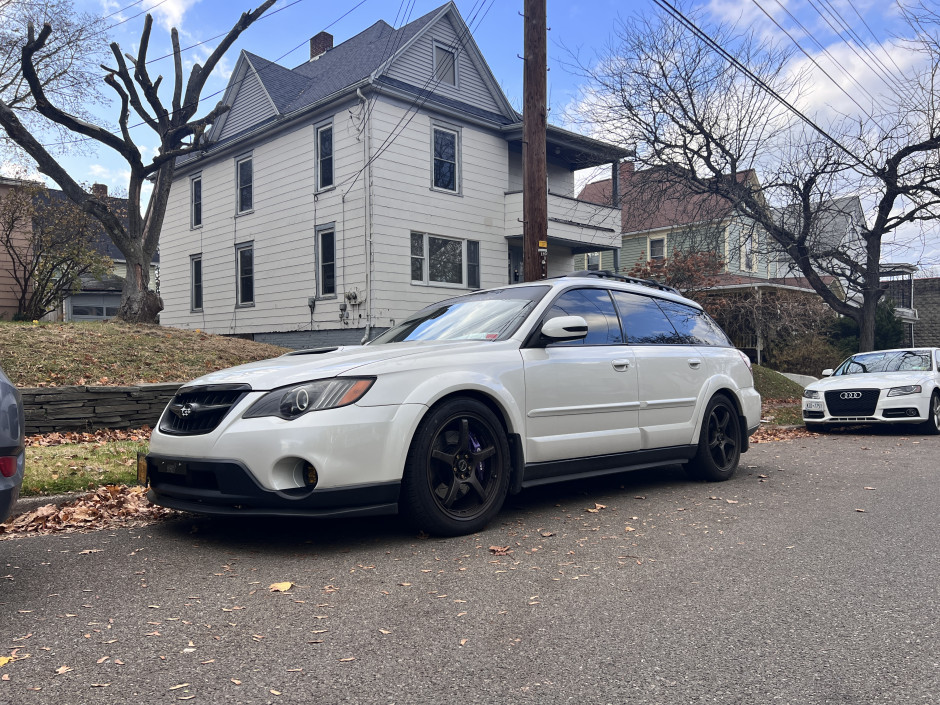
pixel 331 362
pixel 874 380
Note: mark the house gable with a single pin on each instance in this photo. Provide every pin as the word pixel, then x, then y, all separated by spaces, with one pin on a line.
pixel 413 65
pixel 249 100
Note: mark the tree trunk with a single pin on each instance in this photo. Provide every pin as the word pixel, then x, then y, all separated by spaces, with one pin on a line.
pixel 866 322
pixel 139 304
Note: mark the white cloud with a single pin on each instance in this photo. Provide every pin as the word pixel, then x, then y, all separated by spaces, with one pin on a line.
pixel 169 13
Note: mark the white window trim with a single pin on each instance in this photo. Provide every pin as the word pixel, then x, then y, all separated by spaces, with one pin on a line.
pixel 327 228
pixel 464 261
pixel 240 247
pixel 649 247
pixel 316 132
pixel 458 167
pixel 192 202
pixel 435 45
pixel 238 190
pixel 192 283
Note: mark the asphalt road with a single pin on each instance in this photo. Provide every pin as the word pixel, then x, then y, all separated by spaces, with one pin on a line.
pixel 769 588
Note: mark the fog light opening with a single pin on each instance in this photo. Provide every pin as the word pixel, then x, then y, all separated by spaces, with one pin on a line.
pixel 310 475
pixel 912 412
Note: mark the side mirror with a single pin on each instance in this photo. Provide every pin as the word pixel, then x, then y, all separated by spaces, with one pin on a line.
pixel 565 328
pixel 827 372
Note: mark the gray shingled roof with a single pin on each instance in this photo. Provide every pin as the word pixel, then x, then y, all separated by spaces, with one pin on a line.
pixel 342 66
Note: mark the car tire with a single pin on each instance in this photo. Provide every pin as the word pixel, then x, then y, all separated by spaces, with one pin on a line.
pixel 719 445
pixel 932 424
pixel 456 476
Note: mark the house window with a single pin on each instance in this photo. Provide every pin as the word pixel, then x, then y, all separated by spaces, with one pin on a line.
pixel 747 252
pixel 196 201
pixel 326 253
pixel 245 274
pixel 445 65
pixel 195 277
pixel 445 261
pixel 324 157
pixel 446 154
pixel 245 185
pixel 593 261
pixel 658 248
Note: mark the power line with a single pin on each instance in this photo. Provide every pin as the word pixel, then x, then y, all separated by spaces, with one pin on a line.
pixel 813 60
pixel 686 22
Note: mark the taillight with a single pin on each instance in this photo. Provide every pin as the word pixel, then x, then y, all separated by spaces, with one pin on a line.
pixel 7 465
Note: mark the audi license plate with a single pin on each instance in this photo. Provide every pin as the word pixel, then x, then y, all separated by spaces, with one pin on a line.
pixel 814 406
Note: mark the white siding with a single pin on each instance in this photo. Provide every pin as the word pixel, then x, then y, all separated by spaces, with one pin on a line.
pixel 415 66
pixel 282 226
pixel 251 105
pixel 403 202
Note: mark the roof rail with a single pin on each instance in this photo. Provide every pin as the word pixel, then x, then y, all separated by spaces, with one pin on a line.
pixel 607 274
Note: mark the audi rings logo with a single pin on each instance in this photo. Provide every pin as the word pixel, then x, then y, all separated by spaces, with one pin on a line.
pixel 850 395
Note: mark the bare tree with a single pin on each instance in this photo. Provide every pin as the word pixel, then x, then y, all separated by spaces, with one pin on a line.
pixel 51 244
pixel 702 121
pixel 67 67
pixel 177 130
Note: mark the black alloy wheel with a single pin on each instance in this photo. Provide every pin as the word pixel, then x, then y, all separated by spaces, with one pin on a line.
pixel 719 448
pixel 457 475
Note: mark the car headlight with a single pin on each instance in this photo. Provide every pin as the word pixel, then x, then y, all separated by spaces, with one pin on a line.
pixel 298 399
pixel 901 391
pixel 810 394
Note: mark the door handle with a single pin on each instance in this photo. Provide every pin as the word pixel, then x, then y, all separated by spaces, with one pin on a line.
pixel 620 365
pixel 695 364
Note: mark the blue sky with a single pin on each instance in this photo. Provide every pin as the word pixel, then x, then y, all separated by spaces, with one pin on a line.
pixel 582 26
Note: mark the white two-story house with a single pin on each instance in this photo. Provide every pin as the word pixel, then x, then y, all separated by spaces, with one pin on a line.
pixel 380 176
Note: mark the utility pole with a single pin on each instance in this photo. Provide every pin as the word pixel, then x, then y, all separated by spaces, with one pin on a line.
pixel 534 169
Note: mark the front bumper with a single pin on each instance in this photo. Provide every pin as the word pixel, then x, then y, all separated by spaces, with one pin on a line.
pixel 226 487
pixel 913 408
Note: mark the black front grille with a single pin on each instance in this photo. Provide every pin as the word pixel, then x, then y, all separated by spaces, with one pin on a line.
pixel 852 402
pixel 198 410
pixel 812 414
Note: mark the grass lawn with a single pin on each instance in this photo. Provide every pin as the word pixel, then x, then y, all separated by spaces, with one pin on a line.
pixel 73 467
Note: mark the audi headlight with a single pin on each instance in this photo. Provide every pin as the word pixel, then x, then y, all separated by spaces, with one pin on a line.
pixel 810 394
pixel 298 399
pixel 902 391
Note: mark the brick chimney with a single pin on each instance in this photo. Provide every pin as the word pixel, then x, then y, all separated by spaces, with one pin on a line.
pixel 320 44
pixel 99 190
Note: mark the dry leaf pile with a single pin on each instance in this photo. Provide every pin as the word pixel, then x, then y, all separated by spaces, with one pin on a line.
pixel 111 505
pixel 100 436
pixel 766 434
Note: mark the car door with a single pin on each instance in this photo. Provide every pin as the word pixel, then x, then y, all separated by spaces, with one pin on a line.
pixel 671 372
pixel 581 396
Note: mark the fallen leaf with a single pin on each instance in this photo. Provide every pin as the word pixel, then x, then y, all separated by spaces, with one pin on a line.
pixel 100 685
pixel 860 510
pixel 869 488
pixel 500 550
pixel 62 669
pixel 731 501
pixel 350 658
pixel 463 641
pixel 236 681
pixel 177 687
pixel 274 692
pixel 628 528
pixel 385 631
pixel 281 587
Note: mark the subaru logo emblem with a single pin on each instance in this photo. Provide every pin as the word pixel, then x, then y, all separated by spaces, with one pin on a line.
pixel 186 410
pixel 850 395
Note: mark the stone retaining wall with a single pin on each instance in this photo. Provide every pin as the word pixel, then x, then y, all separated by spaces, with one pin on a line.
pixel 51 409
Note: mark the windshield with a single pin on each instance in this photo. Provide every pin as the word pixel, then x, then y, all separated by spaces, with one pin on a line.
pixel 488 315
pixel 890 361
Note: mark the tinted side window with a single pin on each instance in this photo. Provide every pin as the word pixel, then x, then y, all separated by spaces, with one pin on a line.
pixel 595 306
pixel 694 326
pixel 644 323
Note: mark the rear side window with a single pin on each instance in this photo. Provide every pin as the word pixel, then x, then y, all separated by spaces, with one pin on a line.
pixel 694 326
pixel 644 323
pixel 595 306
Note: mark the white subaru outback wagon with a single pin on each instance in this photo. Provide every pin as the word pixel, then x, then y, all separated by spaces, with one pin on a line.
pixel 471 399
